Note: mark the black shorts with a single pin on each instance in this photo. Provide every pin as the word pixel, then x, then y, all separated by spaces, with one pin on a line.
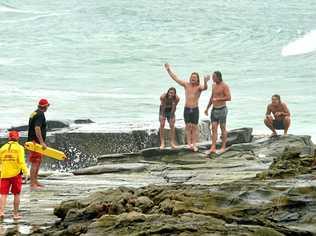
pixel 219 115
pixel 166 114
pixel 278 124
pixel 191 115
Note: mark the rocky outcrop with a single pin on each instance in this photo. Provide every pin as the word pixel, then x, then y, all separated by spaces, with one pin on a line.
pixel 266 147
pixel 51 126
pixel 111 168
pixel 293 162
pixel 83 121
pixel 245 208
pixel 83 149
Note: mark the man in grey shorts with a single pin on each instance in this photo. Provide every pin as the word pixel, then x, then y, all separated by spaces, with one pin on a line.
pixel 220 95
pixel 219 115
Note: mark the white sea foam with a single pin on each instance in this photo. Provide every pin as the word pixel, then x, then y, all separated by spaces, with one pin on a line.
pixel 6 61
pixel 305 44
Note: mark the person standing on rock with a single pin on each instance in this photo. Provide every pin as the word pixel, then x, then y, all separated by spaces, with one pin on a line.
pixel 168 105
pixel 277 116
pixel 193 90
pixel 220 95
pixel 12 166
pixel 37 134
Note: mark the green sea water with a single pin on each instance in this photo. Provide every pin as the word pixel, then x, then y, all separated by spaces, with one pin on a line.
pixel 103 60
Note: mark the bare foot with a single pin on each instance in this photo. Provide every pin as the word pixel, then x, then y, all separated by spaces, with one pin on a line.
pixel 213 150
pixel 190 146
pixel 222 150
pixel 35 187
pixel 162 146
pixel 17 216
pixel 173 146
pixel 273 134
pixel 40 185
pixel 195 149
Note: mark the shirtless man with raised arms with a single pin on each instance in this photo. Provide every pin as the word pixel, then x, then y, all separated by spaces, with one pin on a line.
pixel 193 91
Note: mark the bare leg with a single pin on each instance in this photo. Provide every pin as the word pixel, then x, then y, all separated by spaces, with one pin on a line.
pixel 16 206
pixel 34 173
pixel 194 137
pixel 269 123
pixel 214 136
pixel 188 133
pixel 287 123
pixel 172 133
pixel 33 178
pixel 161 132
pixel 37 170
pixel 224 136
pixel 3 204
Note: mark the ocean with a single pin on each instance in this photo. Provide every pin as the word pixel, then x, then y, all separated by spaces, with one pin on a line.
pixel 103 60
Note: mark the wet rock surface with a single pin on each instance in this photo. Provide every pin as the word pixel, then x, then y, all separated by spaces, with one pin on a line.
pixel 185 193
pixel 266 186
pixel 239 208
pixel 83 149
pixel 111 168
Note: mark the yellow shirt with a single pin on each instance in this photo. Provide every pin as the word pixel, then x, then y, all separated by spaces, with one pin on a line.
pixel 12 160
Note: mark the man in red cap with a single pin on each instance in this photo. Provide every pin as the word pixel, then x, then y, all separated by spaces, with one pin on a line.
pixel 12 166
pixel 37 134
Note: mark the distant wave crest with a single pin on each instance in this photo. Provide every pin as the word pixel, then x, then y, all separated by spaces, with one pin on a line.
pixel 305 44
pixel 7 8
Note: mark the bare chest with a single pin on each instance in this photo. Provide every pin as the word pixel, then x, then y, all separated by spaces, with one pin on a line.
pixel 218 91
pixel 275 109
pixel 193 91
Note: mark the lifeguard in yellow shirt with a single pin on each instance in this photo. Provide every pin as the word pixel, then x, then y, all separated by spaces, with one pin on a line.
pixel 12 166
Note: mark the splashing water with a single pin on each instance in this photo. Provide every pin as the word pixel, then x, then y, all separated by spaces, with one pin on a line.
pixel 305 44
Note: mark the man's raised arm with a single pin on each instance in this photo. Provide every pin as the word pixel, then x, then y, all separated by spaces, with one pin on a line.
pixel 174 76
pixel 206 79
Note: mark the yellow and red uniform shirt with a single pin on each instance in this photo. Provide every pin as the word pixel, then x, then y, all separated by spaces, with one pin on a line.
pixel 12 160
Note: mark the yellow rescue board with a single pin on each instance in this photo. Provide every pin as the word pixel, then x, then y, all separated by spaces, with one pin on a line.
pixel 49 152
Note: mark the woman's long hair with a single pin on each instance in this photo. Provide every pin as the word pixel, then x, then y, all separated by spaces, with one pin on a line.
pixel 175 94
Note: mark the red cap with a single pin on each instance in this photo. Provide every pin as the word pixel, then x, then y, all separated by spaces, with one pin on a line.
pixel 13 135
pixel 43 102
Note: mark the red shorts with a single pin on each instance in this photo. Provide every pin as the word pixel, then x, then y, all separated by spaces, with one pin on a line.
pixel 35 157
pixel 15 183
